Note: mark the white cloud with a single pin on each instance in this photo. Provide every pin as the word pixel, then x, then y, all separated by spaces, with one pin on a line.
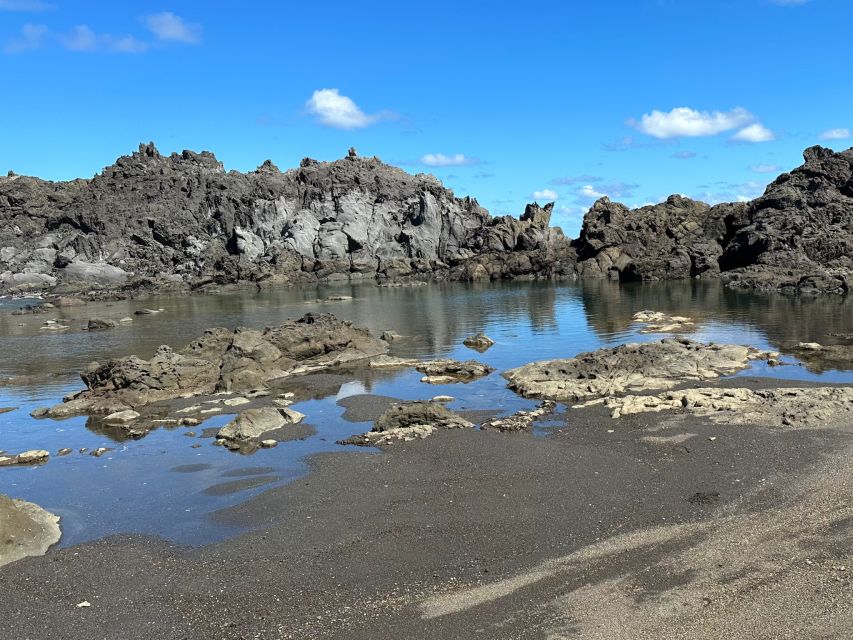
pixel 32 37
pixel 169 27
pixel 443 160
pixel 545 194
pixel 835 134
pixel 686 122
pixel 83 39
pixel 754 133
pixel 25 5
pixel 588 192
pixel 765 168
pixel 334 110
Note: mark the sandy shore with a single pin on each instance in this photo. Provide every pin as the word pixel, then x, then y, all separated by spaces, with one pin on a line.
pixel 642 526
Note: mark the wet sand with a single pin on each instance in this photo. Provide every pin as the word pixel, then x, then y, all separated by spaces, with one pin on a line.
pixel 637 527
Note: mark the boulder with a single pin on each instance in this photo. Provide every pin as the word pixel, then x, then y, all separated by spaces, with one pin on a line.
pixel 404 422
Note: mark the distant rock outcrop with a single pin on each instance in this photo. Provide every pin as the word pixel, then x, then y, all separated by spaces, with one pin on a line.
pixel 797 237
pixel 168 220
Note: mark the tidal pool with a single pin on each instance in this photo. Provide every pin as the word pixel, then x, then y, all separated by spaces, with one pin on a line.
pixel 168 483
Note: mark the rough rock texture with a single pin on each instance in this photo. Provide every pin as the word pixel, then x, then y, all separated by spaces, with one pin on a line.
pixel 797 237
pixel 630 367
pixel 454 370
pixel 34 456
pixel 409 421
pixel 25 530
pixel 479 342
pixel 807 408
pixel 253 423
pixel 183 220
pixel 679 238
pixel 521 420
pixel 222 360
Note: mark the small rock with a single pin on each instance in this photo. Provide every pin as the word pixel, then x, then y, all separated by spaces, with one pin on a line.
pixel 443 399
pixel 189 422
pixel 126 320
pixel 41 412
pixel 479 342
pixel 83 605
pixel 100 451
pixel 389 336
pixel 190 434
pixel 236 402
pixel 269 444
pixel 63 452
pixel 122 417
pixel 96 324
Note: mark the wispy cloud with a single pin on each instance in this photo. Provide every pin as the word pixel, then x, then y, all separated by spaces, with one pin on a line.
pixel 83 39
pixel 445 160
pixel 754 133
pixel 572 180
pixel 169 27
pixel 730 192
pixel 31 37
pixel 25 5
pixel 684 155
pixel 835 134
pixel 341 112
pixel 684 122
pixel 765 168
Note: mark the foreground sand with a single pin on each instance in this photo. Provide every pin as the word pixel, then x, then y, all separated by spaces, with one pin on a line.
pixel 651 530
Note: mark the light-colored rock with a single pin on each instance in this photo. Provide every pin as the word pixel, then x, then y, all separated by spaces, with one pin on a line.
pixel 236 402
pixel 409 421
pixel 252 423
pixel 122 417
pixel 630 368
pixel 33 456
pixel 25 530
pixel 659 322
pixel 521 420
pixel 269 444
pixel 389 362
pixel 479 342
pixel 443 399
pixel 793 408
pixel 96 273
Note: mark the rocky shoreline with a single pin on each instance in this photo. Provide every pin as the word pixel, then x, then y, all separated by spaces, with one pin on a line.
pixel 151 223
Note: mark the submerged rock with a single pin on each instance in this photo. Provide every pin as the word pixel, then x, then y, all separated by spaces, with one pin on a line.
pixel 479 342
pixel 243 360
pixel 409 421
pixel 659 322
pixel 630 367
pixel 34 456
pixel 807 407
pixel 95 324
pixel 819 358
pixel 25 530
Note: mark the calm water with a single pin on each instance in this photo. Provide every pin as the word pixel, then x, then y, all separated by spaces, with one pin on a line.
pixel 161 485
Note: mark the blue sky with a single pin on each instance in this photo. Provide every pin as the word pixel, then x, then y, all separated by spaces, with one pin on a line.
pixel 505 101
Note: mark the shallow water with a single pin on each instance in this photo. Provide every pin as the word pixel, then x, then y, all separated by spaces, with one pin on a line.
pixel 162 485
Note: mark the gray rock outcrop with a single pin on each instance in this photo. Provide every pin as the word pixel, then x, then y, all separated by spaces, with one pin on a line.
pixel 221 360
pixel 183 219
pixel 630 368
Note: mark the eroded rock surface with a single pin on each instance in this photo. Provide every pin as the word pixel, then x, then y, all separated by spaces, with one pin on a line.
pixel 409 421
pixel 630 368
pixel 807 407
pixel 25 530
pixel 659 322
pixel 819 357
pixel 222 361
pixel 448 371
pixel 479 342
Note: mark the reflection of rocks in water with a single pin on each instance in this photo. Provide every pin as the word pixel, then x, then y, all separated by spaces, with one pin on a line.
pixel 610 306
pixel 785 320
pixel 819 358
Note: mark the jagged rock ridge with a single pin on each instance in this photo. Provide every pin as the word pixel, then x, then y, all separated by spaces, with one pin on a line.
pixel 183 218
